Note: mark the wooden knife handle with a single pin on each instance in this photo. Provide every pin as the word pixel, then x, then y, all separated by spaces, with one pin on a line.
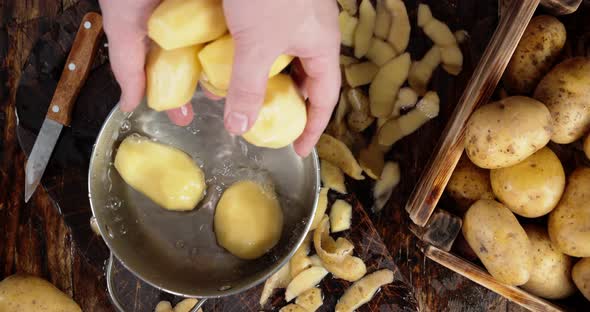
pixel 484 80
pixel 76 69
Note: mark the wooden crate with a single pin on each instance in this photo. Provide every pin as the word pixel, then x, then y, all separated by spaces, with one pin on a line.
pixel 429 192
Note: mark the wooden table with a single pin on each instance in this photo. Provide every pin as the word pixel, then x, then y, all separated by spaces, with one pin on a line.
pixel 34 238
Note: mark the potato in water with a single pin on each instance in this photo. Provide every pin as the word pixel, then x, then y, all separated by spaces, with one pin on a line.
pixel 180 23
pixel 166 175
pixel 283 115
pixel 171 76
pixel 217 60
pixel 29 293
pixel 248 220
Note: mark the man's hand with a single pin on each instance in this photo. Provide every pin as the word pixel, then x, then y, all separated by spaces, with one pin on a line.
pixel 262 30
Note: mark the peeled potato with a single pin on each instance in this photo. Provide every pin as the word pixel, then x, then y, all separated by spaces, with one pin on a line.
pixel 22 292
pixel 217 59
pixel 386 84
pixel 179 23
pixel 166 175
pixel 283 115
pixel 248 220
pixel 171 76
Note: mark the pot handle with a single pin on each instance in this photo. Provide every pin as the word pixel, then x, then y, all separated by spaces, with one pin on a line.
pixel 111 288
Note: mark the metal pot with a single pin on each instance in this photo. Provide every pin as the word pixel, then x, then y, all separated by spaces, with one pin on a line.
pixel 177 251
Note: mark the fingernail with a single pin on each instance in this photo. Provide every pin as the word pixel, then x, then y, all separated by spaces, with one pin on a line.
pixel 184 110
pixel 237 123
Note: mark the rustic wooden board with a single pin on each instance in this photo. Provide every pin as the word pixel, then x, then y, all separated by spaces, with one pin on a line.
pixel 65 180
pixel 34 237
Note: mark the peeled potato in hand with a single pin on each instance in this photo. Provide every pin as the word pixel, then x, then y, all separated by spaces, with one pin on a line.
pixel 180 23
pixel 166 175
pixel 217 60
pixel 283 115
pixel 171 76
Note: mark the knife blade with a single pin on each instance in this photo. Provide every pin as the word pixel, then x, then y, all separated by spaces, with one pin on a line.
pixel 60 109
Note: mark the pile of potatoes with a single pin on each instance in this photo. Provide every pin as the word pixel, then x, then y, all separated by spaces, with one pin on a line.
pixel 524 217
pixel 188 49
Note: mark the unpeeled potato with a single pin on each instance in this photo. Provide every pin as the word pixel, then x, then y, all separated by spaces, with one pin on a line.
pixel 180 23
pixel 171 76
pixel 217 61
pixel 587 146
pixel 469 183
pixel 283 115
pixel 581 276
pixel 21 292
pixel 533 187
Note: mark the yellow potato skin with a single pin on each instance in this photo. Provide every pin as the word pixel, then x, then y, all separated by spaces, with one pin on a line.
pixel 587 146
pixel 533 187
pixel 21 292
pixel 551 269
pixel 581 276
pixel 499 241
pixel 536 52
pixel 283 115
pixel 171 76
pixel 166 175
pixel 469 183
pixel 570 220
pixel 565 92
pixel 217 60
pixel 504 133
pixel 180 23
pixel 248 220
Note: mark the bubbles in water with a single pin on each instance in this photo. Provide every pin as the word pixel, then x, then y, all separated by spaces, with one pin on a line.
pixel 179 244
pixel 193 130
pixel 110 231
pixel 225 287
pixel 113 203
pixel 125 126
pixel 194 252
pixel 123 229
pixel 118 218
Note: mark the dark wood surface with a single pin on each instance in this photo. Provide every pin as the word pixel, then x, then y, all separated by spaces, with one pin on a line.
pixel 50 236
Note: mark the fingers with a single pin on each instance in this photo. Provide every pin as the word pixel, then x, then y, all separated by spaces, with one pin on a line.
pixel 323 87
pixel 181 116
pixel 125 27
pixel 246 89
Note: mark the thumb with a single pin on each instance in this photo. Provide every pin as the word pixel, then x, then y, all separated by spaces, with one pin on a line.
pixel 247 88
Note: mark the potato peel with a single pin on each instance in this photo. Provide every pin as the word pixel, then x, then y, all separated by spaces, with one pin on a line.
pixel 332 177
pixel 363 290
pixel 321 208
pixel 280 279
pixel 304 281
pixel 399 34
pixel 386 84
pixel 343 266
pixel 336 152
pixel 300 262
pixel 364 28
pixel 382 20
pixel 340 216
pixel 389 179
pixel 292 308
pixel 310 300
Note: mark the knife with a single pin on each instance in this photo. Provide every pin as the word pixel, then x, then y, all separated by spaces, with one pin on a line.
pixel 60 109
